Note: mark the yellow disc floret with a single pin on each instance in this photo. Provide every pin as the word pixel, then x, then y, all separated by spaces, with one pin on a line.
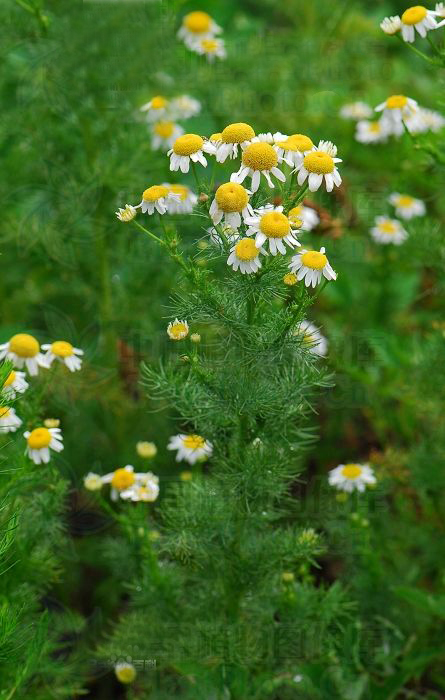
pixel 164 129
pixel 216 137
pixel 152 194
pixel 4 411
pixel 181 190
pixel 396 102
pixel 122 479
pixel 193 442
pixel 187 144
pixel 246 250
pixel 197 22
pixel 209 45
pixel 10 378
pixel 319 162
pixel 290 279
pixel 39 438
pixel 415 14
pixel 158 102
pixel 274 224
pixel 314 260
pixel 260 156
pixel 178 330
pixel 387 227
pixel 237 133
pixel 24 345
pixel 125 673
pixel 295 216
pixel 351 471
pixel 231 197
pixel 405 200
pixel 297 142
pixel 62 349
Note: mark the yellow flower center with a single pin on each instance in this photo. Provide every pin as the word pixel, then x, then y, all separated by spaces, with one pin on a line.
pixel 231 197
pixel 297 142
pixel 290 279
pixel 164 129
pixel 237 133
pixel 158 102
pixel 24 345
pixel 209 45
pixel 62 349
pixel 179 330
pixel 246 249
pixel 4 411
pixel 197 22
pixel 152 194
pixel 396 102
pixel 274 224
pixel 374 127
pixel 314 260
pixel 125 674
pixel 188 144
pixel 405 200
pixel 260 156
pixel 193 442
pixel 38 438
pixel 181 190
pixel 414 14
pixel 387 227
pixel 10 379
pixel 295 215
pixel 351 471
pixel 319 162
pixel 216 137
pixel 122 479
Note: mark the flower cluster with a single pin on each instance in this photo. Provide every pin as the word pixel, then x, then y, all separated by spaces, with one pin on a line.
pixel 25 351
pixel 387 230
pixel 163 114
pixel 415 19
pixel 199 33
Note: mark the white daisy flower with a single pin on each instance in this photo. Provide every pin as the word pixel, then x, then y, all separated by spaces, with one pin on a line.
pixel 424 120
pixel 231 203
pixel 24 351
pixel 440 10
pixel 258 159
pixel 177 330
pixel 320 164
pixel 186 148
pixel 184 107
pixel 15 383
pixel 156 109
pixel 407 207
pixel 312 337
pixel 93 482
pixel 225 234
pixel 184 203
pixel 312 266
pixel 270 138
pixel 391 25
pixel 351 477
pixel 371 131
pixel 303 218
pixel 395 109
pixel 232 137
pixel 9 420
pixel 145 488
pixel 156 198
pixel 40 441
pixel 197 26
pixel 245 256
pixel 127 214
pixel 388 230
pixel 270 224
pixel 293 149
pixel 164 134
pixel 121 480
pixel 356 110
pixel 190 448
pixel 211 48
pixel 417 18
pixel 63 352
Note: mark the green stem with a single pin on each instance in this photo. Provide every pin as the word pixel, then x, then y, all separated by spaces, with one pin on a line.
pixel 195 174
pixel 173 254
pixel 419 53
pixel 434 47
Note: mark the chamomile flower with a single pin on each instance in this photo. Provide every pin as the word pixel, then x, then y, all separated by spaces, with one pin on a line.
pixel 394 110
pixel 391 25
pixel 125 672
pixel 177 330
pixel 126 214
pixel 164 134
pixel 155 198
pixel 407 207
pixel 387 230
pixel 351 477
pixel 15 383
pixel 214 140
pixel 318 165
pixel 24 351
pixel 40 441
pixel 146 450
pixel 121 480
pixel 233 137
pixel 245 256
pixel 225 234
pixel 9 420
pixel 312 266
pixel 156 109
pixel 231 203
pixel 371 131
pixel 197 26
pixel 303 218
pixel 293 149
pixel 63 352
pixel 184 107
pixel 424 120
pixel 190 448
pixel 271 225
pixel 356 110
pixel 211 48
pixel 312 338
pixel 258 159
pixel 185 201
pixel 93 482
pixel 186 148
pixel 145 488
pixel 417 18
